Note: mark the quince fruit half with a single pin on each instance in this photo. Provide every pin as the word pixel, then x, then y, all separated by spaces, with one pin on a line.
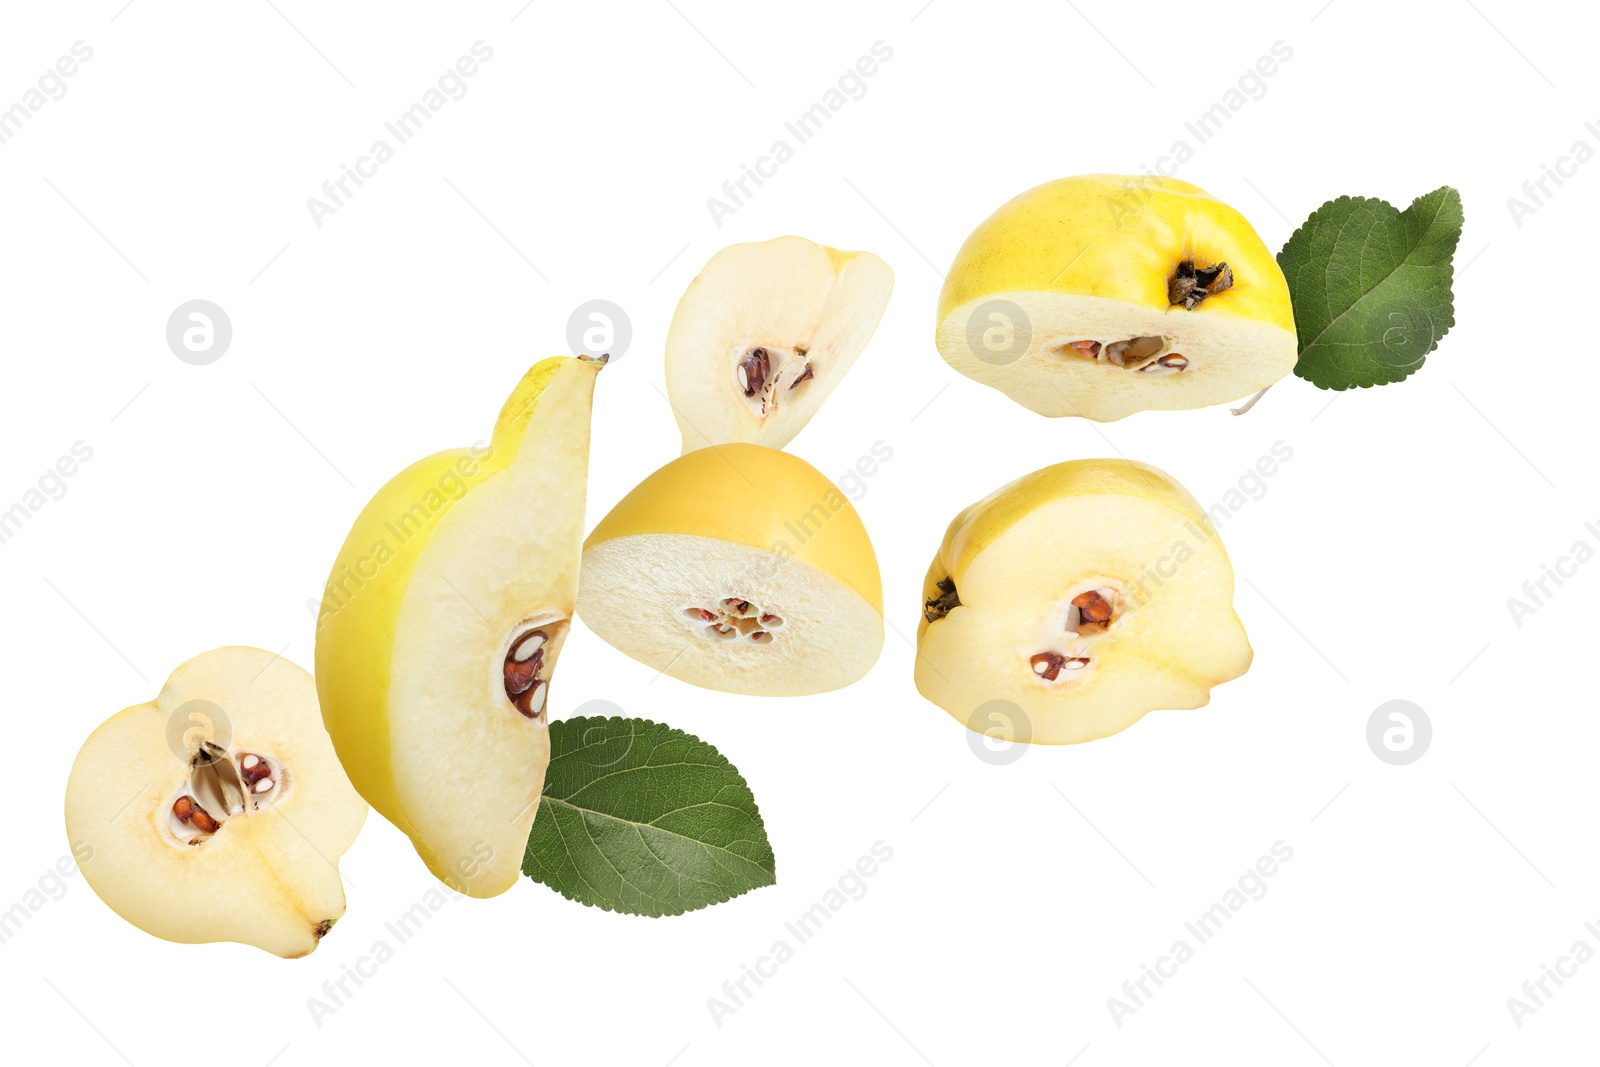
pixel 739 568
pixel 218 811
pixel 1080 597
pixel 441 624
pixel 1103 295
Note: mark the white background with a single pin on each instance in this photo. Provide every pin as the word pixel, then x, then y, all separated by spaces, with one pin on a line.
pixel 1375 566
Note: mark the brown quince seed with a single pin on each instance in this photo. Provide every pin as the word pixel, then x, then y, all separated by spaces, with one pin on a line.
pixel 753 371
pixel 202 820
pixel 1093 606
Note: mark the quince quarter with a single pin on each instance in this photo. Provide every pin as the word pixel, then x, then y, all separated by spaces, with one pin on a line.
pixel 764 334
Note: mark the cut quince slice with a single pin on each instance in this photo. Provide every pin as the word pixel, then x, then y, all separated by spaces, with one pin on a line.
pixel 764 334
pixel 218 811
pixel 738 568
pixel 1085 594
pixel 441 624
pixel 1104 295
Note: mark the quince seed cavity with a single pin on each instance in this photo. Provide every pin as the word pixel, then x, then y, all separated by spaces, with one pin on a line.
pixel 227 784
pixel 1049 665
pixel 185 810
pixel 1092 607
pixel 525 673
pixel 752 372
pixel 1135 351
pixel 1169 363
pixel 1140 353
pixel 732 617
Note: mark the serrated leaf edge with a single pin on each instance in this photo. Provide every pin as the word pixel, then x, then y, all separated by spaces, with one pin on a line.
pixel 1398 211
pixel 659 913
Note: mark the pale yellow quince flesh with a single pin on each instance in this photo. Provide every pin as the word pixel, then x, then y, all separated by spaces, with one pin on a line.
pixel 1088 296
pixel 442 620
pixel 218 811
pixel 764 333
pixel 1079 597
pixel 739 568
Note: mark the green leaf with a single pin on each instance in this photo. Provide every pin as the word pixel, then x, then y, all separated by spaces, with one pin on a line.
pixel 640 818
pixel 1371 287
